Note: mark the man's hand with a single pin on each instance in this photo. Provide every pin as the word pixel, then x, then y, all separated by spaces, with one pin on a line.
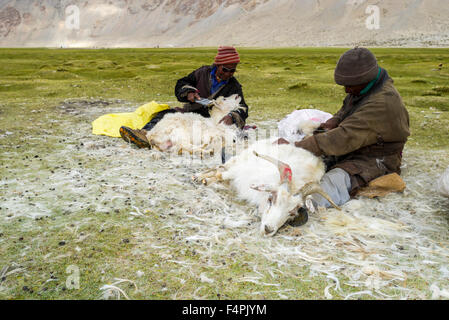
pixel 227 120
pixel 192 96
pixel 330 124
pixel 310 144
pixel 281 141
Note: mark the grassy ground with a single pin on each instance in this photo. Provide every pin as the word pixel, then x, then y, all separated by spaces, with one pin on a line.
pixel 275 81
pixel 40 116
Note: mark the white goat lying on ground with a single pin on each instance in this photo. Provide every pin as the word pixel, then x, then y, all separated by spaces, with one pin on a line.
pixel 278 188
pixel 443 183
pixel 178 132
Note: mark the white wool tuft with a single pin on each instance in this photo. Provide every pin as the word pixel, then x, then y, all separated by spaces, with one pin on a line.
pixel 301 123
pixel 443 183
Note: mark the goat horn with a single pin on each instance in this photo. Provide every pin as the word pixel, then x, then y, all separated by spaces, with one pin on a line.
pixel 313 187
pixel 263 188
pixel 285 171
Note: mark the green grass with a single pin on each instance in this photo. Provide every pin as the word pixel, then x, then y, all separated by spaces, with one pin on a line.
pixel 275 81
pixel 33 84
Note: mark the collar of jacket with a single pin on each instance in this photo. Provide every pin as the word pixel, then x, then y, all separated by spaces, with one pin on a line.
pixel 371 84
pixel 211 67
pixel 377 85
pixel 215 84
pixel 354 102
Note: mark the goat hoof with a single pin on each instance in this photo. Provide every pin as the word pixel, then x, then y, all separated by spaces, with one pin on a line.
pixel 301 218
pixel 267 230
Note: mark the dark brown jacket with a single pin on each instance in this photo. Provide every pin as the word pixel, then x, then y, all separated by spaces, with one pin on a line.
pixel 200 80
pixel 371 134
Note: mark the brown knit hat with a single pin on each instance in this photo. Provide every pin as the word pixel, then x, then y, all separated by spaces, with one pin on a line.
pixel 355 67
pixel 226 55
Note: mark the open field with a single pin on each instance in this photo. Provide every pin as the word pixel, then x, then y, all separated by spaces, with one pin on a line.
pixel 111 211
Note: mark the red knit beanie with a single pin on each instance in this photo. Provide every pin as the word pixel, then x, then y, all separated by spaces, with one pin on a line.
pixel 227 55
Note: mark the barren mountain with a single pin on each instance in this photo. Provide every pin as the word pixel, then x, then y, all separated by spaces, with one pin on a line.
pixel 185 23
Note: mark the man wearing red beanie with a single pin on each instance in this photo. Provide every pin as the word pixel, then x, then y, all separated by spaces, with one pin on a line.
pixel 209 82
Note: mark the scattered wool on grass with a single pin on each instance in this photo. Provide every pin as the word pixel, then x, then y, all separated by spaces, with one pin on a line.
pixel 376 262
pixel 113 290
pixel 442 184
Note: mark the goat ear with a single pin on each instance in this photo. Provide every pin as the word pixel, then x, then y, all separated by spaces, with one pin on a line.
pixel 238 98
pixel 263 188
pixel 309 205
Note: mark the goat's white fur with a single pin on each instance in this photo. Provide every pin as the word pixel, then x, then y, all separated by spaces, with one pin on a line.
pixel 256 180
pixel 191 132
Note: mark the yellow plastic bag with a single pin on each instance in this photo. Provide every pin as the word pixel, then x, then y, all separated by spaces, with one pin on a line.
pixel 109 124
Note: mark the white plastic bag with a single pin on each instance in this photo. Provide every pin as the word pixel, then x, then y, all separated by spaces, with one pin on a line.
pixel 301 123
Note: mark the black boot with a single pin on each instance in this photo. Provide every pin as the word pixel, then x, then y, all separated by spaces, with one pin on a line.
pixel 137 137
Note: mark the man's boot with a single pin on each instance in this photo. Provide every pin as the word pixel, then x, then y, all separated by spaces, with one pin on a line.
pixel 137 137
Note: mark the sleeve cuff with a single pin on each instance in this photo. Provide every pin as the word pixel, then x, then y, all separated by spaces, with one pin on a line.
pixel 310 144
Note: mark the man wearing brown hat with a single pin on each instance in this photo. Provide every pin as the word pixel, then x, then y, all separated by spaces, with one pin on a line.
pixel 206 82
pixel 365 138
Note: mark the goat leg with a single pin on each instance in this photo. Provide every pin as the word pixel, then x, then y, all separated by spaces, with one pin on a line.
pixel 215 178
pixel 205 174
pixel 210 173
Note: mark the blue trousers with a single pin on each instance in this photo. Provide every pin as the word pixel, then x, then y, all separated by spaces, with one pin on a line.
pixel 337 184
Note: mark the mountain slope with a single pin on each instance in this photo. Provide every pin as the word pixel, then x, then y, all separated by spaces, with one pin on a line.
pixel 185 23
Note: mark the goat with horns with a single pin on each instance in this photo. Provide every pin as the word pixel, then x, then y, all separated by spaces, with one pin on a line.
pixel 278 188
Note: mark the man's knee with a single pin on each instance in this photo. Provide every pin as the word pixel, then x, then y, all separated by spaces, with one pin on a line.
pixel 337 184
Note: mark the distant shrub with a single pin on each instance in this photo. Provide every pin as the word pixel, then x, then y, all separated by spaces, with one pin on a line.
pixel 419 81
pixel 431 93
pixel 136 64
pixel 441 89
pixel 298 86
